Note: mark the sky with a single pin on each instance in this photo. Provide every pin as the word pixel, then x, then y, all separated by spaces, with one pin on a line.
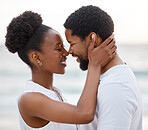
pixel 130 16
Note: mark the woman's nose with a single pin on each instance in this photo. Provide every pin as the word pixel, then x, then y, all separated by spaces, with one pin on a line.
pixel 65 53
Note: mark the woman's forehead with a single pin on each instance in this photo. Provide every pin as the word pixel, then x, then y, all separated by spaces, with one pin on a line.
pixel 53 37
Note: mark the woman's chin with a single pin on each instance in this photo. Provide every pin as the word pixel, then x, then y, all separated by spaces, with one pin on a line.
pixel 62 71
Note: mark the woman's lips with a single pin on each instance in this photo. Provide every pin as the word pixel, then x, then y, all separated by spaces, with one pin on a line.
pixel 63 62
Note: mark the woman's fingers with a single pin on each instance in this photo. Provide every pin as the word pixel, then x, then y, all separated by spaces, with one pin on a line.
pixel 114 50
pixel 103 53
pixel 111 44
pixel 111 48
pixel 113 54
pixel 108 40
pixel 111 51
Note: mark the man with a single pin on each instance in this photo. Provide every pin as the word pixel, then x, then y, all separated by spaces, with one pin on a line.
pixel 119 99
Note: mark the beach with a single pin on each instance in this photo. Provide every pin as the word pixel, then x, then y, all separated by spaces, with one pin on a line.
pixel 14 73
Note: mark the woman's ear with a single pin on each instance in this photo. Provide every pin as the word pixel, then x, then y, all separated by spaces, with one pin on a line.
pixel 34 58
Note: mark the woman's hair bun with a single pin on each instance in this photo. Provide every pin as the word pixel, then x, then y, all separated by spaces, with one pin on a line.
pixel 21 29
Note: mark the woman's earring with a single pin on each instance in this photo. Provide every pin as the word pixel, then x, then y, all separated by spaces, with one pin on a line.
pixel 40 63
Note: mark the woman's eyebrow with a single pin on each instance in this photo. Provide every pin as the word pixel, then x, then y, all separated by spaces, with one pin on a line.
pixel 58 43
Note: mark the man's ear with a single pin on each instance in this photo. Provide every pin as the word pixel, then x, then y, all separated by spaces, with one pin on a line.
pixel 93 38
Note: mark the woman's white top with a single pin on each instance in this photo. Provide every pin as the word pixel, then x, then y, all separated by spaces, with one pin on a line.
pixel 34 87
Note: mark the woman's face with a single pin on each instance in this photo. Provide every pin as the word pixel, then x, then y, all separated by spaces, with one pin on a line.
pixel 53 55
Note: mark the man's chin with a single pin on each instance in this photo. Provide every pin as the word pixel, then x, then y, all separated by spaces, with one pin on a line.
pixel 84 65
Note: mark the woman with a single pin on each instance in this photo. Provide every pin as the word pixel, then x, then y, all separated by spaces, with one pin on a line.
pixel 42 106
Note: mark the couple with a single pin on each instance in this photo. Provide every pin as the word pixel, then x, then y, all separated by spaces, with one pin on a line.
pixel 110 99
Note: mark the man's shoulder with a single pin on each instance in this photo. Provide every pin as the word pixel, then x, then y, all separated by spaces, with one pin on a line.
pixel 117 75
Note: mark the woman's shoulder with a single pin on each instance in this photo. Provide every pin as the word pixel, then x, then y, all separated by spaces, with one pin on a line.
pixel 32 97
pixel 31 101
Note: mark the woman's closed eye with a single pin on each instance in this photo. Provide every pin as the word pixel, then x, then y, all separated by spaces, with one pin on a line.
pixel 60 47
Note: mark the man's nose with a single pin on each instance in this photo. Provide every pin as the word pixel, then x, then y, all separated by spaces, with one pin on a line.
pixel 70 50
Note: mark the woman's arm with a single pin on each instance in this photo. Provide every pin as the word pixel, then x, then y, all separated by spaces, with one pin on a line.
pixel 38 105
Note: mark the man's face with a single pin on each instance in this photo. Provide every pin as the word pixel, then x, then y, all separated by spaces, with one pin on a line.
pixel 78 48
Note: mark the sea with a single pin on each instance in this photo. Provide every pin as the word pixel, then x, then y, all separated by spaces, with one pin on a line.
pixel 14 74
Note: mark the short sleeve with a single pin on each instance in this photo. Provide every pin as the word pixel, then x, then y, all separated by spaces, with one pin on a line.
pixel 116 105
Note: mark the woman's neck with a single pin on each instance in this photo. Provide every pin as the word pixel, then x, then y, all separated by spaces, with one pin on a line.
pixel 44 79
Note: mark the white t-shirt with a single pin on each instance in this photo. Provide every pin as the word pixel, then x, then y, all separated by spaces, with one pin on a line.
pixel 119 104
pixel 34 87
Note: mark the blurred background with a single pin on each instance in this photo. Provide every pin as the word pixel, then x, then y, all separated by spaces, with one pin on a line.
pixel 131 25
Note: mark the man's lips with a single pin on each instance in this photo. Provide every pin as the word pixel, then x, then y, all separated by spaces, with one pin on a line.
pixel 77 59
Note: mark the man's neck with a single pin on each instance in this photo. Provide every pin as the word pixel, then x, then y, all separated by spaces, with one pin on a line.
pixel 115 61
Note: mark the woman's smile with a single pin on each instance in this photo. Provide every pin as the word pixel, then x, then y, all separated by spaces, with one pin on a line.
pixel 63 61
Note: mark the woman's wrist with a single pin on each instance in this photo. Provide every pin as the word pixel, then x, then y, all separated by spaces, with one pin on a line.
pixel 94 67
